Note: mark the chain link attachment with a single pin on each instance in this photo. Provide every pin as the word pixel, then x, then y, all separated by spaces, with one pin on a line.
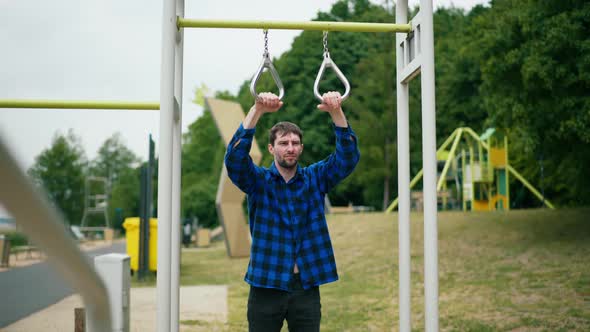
pixel 325 41
pixel 266 64
pixel 265 54
pixel 328 63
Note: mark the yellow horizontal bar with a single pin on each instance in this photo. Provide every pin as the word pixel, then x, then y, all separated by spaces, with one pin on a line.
pixel 281 25
pixel 78 104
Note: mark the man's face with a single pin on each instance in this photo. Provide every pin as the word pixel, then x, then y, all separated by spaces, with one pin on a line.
pixel 286 150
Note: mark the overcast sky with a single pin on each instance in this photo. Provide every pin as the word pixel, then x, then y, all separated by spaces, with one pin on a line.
pixel 110 50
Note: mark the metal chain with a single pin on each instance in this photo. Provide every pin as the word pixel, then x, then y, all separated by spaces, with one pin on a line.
pixel 325 40
pixel 265 43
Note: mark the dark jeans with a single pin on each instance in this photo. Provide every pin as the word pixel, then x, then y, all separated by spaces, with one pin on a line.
pixel 268 308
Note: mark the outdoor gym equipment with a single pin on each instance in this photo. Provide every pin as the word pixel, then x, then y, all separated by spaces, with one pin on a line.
pixel 328 63
pixel 414 56
pixel 266 64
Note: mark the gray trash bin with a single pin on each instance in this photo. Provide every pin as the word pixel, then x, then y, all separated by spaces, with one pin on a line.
pixel 4 251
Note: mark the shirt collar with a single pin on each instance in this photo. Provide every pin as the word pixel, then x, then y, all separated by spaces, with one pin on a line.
pixel 275 171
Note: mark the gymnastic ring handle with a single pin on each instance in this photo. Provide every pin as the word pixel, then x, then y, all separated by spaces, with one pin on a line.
pixel 266 64
pixel 328 63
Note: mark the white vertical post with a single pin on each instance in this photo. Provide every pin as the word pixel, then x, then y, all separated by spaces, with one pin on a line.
pixel 429 164
pixel 176 185
pixel 403 175
pixel 114 270
pixel 165 164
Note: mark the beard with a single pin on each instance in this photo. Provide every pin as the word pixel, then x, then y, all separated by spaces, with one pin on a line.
pixel 287 164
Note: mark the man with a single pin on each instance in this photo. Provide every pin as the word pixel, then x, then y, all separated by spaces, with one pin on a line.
pixel 291 252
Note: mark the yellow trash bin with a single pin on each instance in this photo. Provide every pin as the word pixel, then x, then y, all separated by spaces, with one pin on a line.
pixel 131 226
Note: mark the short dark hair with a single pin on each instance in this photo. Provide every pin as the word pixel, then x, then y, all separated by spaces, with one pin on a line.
pixel 283 128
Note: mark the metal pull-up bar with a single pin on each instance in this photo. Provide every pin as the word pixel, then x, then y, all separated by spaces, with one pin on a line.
pixel 286 25
pixel 198 23
pixel 79 104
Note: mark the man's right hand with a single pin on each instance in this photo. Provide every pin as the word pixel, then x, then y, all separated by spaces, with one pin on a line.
pixel 268 102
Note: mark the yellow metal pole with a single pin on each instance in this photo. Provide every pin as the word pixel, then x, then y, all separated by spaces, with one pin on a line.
pixel 457 133
pixel 444 196
pixel 443 174
pixel 415 180
pixel 507 174
pixel 448 140
pixel 485 172
pixel 463 170
pixel 477 139
pixel 529 186
pixel 78 104
pixel 472 168
pixel 285 25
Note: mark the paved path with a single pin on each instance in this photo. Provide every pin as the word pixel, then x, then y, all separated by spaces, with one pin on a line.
pixel 26 290
pixel 204 305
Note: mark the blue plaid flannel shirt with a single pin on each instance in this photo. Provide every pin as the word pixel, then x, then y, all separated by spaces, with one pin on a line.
pixel 287 220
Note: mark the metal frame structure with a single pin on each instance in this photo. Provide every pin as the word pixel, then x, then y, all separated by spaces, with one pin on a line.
pixel 95 203
pixel 415 55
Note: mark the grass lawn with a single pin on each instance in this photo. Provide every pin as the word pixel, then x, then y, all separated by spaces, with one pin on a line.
pixel 525 270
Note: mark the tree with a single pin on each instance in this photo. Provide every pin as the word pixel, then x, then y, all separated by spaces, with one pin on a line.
pixel 519 66
pixel 535 60
pixel 124 195
pixel 372 115
pixel 119 165
pixel 60 171
pixel 202 159
pixel 113 159
pixel 298 69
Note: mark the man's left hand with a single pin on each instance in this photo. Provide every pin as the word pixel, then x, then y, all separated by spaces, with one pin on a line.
pixel 331 101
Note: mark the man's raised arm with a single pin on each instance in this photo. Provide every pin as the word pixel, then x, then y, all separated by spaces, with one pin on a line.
pixel 240 168
pixel 342 162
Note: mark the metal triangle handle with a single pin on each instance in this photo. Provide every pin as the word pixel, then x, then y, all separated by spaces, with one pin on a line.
pixel 266 64
pixel 328 63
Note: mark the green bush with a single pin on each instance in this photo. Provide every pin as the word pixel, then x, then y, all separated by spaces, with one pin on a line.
pixel 16 239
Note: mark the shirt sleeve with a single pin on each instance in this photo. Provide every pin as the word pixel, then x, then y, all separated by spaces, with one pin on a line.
pixel 240 167
pixel 340 164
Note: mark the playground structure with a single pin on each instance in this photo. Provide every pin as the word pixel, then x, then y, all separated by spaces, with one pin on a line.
pixel 415 56
pixel 478 170
pixel 228 116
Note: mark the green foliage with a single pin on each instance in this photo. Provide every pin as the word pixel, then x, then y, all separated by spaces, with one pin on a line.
pixel 200 93
pixel 118 164
pixel 534 63
pixel 113 158
pixel 298 69
pixel 60 171
pixel 519 66
pixel 202 159
pixel 16 239
pixel 125 195
pixel 458 74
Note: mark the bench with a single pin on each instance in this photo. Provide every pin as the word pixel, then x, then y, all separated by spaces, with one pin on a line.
pixel 26 252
